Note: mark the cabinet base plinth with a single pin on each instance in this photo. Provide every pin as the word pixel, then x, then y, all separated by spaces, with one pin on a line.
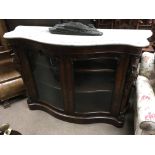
pixel 83 119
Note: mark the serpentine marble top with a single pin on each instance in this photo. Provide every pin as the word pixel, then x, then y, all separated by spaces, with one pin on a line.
pixel 41 34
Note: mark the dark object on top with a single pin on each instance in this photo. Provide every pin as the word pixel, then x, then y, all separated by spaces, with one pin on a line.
pixel 75 28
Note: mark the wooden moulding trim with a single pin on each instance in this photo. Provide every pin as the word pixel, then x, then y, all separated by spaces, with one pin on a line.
pixel 118 122
pixel 11 79
pixel 82 50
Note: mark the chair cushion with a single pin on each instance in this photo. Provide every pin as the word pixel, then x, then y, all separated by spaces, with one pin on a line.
pixel 147 67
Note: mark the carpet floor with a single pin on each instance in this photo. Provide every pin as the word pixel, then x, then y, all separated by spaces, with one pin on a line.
pixel 37 122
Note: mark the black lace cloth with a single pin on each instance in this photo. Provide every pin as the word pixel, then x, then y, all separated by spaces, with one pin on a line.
pixel 75 28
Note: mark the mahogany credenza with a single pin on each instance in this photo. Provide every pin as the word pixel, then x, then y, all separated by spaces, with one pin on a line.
pixel 80 79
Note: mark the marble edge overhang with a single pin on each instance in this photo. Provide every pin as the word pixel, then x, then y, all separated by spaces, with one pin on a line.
pixel 16 34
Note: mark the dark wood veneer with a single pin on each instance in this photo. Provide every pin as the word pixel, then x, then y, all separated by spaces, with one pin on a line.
pixel 117 62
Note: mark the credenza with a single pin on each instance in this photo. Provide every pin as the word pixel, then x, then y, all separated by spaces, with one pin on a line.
pixel 80 79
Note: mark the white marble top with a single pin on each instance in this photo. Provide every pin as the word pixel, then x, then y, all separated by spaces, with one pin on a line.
pixel 110 37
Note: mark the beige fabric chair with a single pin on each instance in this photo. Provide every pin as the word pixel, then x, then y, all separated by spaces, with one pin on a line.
pixel 145 103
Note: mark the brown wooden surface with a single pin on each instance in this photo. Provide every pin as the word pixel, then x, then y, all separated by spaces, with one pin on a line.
pixel 119 83
pixel 3 29
pixel 11 83
pixel 27 75
pixel 66 77
pixel 67 57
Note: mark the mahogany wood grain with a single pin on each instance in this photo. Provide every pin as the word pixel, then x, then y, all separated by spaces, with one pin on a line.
pixel 69 68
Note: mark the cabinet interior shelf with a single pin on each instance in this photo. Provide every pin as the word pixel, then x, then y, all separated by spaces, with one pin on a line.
pixel 105 62
pixel 97 82
pixel 80 70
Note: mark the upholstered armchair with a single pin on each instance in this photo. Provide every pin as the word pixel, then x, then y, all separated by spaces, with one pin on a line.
pixel 145 96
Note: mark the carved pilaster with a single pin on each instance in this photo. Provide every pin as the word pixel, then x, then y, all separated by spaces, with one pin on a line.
pixel 131 78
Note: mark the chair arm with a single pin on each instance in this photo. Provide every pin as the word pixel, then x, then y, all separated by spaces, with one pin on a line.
pixel 147 66
pixel 145 107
